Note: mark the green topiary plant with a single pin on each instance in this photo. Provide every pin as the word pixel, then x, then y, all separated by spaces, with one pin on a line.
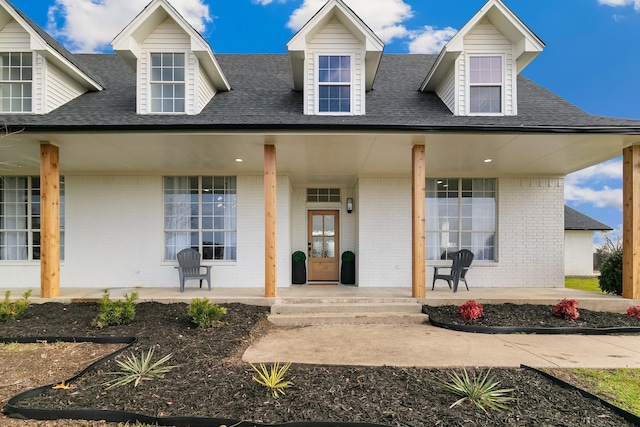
pixel 206 314
pixel 13 310
pixel 299 256
pixel 348 256
pixel 115 312
pixel 611 273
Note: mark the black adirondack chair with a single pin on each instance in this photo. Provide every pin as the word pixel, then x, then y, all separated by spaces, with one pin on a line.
pixel 458 270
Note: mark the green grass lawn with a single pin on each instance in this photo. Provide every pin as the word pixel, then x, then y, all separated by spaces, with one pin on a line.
pixel 582 283
pixel 620 387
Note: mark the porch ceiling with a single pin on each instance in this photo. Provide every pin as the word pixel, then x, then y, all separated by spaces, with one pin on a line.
pixel 315 159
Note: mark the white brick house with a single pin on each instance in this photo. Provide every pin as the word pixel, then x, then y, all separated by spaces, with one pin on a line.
pixel 248 158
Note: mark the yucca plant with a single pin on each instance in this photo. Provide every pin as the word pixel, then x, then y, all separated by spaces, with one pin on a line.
pixel 135 370
pixel 481 390
pixel 273 377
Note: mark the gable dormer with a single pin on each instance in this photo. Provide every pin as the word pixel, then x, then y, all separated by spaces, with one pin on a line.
pixel 37 74
pixel 176 70
pixel 334 58
pixel 476 71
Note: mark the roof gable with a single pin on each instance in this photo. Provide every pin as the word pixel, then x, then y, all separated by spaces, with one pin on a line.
pixel 575 220
pixel 526 44
pixel 334 9
pixel 128 43
pixel 49 48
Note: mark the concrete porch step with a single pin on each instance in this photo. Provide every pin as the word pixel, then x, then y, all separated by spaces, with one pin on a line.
pixel 342 312
pixel 346 307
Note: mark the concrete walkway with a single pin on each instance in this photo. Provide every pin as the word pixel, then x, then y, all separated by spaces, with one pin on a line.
pixel 428 346
pixel 408 345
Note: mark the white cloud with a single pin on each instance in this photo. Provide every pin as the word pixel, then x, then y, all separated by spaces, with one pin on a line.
pixel 619 3
pixel 430 39
pixel 384 17
pixel 593 185
pixel 74 21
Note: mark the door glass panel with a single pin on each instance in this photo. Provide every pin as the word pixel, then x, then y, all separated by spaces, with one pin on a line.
pixel 329 248
pixel 316 247
pixel 317 225
pixel 329 225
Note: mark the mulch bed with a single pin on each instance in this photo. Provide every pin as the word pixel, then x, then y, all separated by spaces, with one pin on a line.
pixel 531 315
pixel 211 380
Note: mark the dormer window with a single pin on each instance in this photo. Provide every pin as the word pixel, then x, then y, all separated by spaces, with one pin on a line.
pixel 16 76
pixel 334 84
pixel 167 83
pixel 485 84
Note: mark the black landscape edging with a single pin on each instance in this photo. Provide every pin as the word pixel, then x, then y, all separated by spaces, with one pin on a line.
pixel 628 416
pixel 567 330
pixel 114 416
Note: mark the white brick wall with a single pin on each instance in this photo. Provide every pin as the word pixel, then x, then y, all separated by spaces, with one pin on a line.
pixel 114 235
pixel 384 228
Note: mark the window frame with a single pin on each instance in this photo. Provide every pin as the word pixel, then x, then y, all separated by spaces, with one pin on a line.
pixel 162 83
pixel 189 230
pixel 350 83
pixel 436 233
pixel 501 85
pixel 22 82
pixel 31 213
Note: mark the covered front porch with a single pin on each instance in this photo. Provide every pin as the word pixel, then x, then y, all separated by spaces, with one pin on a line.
pixel 381 169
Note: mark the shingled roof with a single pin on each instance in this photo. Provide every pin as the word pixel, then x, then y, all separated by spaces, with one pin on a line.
pixel 263 98
pixel 574 220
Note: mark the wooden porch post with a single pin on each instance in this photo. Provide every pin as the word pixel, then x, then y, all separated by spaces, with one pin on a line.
pixel 49 221
pixel 270 221
pixel 417 222
pixel 631 222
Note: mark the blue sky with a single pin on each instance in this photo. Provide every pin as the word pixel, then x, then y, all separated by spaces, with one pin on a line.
pixel 592 54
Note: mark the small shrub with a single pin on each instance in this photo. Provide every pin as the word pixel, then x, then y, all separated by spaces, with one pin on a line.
pixel 136 370
pixel 634 311
pixel 470 310
pixel 567 309
pixel 206 314
pixel 114 313
pixel 13 310
pixel 481 390
pixel 610 280
pixel 272 378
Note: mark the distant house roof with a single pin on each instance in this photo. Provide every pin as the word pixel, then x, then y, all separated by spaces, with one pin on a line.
pixel 262 99
pixel 574 220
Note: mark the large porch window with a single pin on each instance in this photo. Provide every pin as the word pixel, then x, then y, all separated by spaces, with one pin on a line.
pixel 461 214
pixel 20 218
pixel 200 212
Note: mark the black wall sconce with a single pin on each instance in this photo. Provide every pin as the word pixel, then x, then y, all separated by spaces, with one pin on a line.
pixel 349 204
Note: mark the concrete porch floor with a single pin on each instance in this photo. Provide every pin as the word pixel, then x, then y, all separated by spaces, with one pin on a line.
pixel 332 293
